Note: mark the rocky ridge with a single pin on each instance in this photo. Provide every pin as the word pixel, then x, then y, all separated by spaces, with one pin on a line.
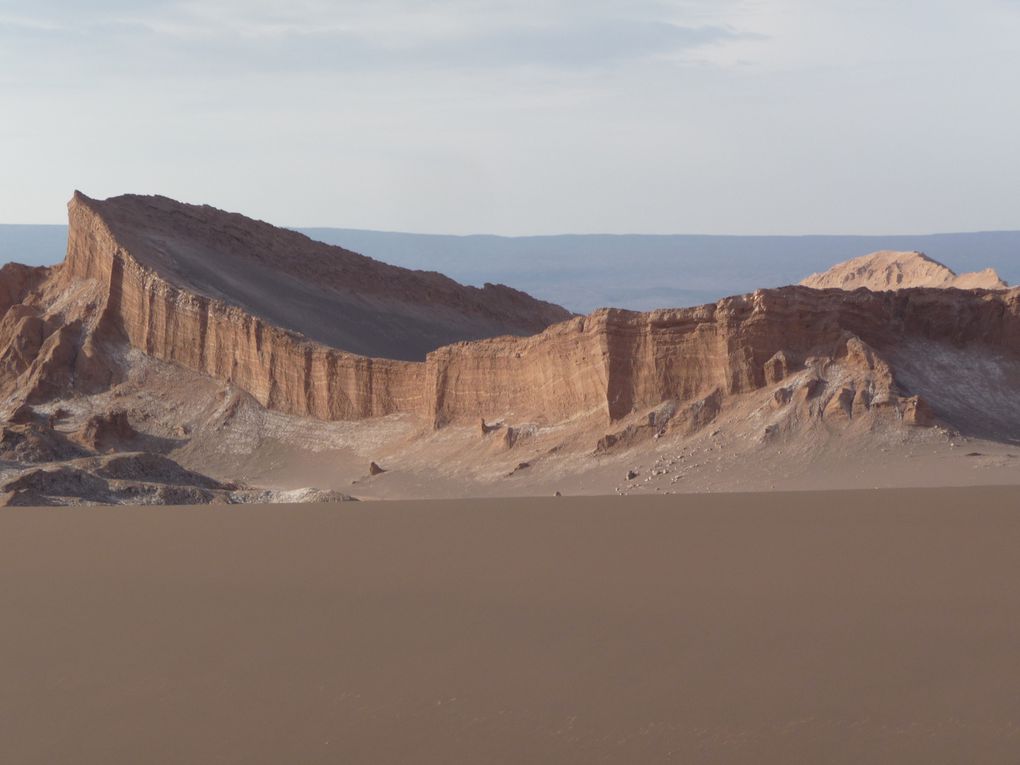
pixel 789 360
pixel 891 270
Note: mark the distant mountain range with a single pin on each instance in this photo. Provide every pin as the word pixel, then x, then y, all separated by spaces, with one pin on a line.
pixel 588 271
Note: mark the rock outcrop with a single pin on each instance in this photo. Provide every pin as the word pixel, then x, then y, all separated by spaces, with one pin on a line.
pixel 106 432
pixel 192 286
pixel 34 443
pixel 137 478
pixel 125 281
pixel 890 270
pixel 140 478
pixel 617 362
pixel 164 261
pixel 265 309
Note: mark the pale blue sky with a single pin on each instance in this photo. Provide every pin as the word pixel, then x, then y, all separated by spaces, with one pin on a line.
pixel 650 116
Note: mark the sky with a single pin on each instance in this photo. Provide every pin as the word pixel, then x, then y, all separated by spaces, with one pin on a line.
pixel 559 116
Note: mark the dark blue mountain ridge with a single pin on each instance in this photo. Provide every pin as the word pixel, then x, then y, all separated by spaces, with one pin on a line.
pixel 586 271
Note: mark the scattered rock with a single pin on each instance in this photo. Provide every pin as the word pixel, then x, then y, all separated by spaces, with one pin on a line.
pixel 620 438
pixel 777 367
pixel 917 412
pixel 374 469
pixel 699 413
pixel 486 428
pixel 35 444
pixel 23 415
pixel 104 432
pixel 812 387
pixel 309 494
pixel 841 405
pixel 66 482
pixel 781 397
pixel 57 415
pixel 150 468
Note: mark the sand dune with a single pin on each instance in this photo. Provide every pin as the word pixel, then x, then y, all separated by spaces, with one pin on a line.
pixel 855 627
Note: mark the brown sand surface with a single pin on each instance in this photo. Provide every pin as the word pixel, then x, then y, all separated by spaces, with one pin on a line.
pixel 815 627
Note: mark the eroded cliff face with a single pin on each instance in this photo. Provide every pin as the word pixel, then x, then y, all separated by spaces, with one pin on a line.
pixel 142 344
pixel 327 294
pixel 281 369
pixel 61 327
pixel 620 362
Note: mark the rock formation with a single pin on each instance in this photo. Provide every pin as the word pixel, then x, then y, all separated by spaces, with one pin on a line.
pixel 110 431
pixel 160 258
pixel 266 309
pixel 136 479
pixel 617 362
pixel 279 321
pixel 125 280
pixel 889 270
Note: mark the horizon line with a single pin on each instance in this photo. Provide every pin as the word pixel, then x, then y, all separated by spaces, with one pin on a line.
pixel 604 234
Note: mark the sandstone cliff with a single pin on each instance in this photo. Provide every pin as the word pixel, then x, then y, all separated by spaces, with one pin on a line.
pixel 328 294
pixel 889 270
pixel 144 342
pixel 148 274
pixel 619 362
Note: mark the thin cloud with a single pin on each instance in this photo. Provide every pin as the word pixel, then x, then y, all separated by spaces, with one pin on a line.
pixel 582 45
pixel 315 37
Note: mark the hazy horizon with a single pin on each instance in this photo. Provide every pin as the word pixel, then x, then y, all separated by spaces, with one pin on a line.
pixel 607 234
pixel 636 271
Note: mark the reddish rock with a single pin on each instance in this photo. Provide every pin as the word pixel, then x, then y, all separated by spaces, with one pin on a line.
pixel 102 432
pixel 777 367
pixel 115 289
pixel 889 270
pixel 916 411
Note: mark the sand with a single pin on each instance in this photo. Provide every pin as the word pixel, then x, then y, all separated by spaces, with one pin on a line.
pixel 815 627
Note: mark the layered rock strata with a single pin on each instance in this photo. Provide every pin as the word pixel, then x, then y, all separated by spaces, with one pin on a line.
pixel 57 331
pixel 330 295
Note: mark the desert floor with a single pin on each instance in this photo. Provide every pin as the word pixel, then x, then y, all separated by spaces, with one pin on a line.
pixel 837 627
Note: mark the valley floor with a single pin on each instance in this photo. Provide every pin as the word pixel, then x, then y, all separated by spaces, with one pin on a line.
pixel 218 431
pixel 873 626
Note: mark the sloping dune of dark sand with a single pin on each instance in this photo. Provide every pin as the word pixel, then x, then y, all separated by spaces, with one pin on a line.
pixel 854 627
